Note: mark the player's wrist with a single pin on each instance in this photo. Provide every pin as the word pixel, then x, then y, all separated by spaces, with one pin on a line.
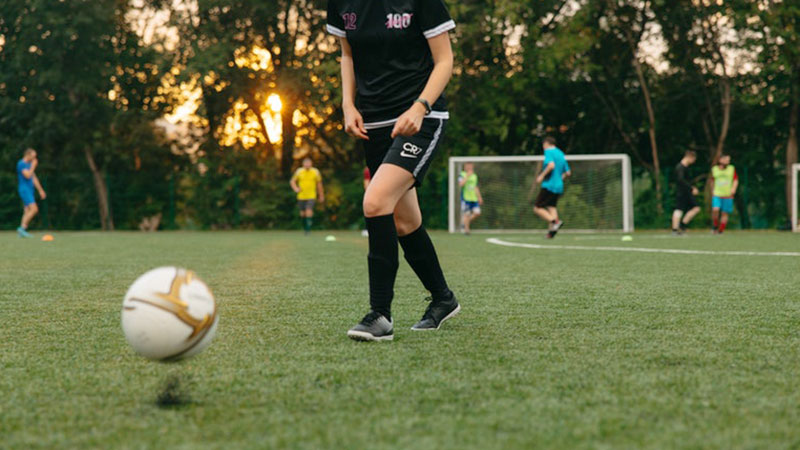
pixel 349 108
pixel 425 104
pixel 419 109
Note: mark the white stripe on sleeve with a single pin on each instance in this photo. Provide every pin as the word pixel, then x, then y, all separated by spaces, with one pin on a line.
pixel 443 28
pixel 336 31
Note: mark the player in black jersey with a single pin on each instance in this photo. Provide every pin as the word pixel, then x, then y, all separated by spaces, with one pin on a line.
pixel 396 62
pixel 686 206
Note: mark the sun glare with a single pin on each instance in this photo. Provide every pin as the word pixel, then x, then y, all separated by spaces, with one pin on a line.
pixel 275 103
pixel 246 124
pixel 242 125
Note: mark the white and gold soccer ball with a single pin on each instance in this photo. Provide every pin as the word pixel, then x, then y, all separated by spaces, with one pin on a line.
pixel 169 314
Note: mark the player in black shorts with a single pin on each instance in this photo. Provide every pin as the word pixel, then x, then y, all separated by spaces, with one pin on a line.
pixel 396 63
pixel 684 195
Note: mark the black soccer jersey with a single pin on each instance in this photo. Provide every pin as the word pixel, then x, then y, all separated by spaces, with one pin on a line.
pixel 391 56
pixel 683 186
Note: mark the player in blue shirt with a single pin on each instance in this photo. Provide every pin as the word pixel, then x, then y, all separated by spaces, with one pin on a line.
pixel 26 182
pixel 556 169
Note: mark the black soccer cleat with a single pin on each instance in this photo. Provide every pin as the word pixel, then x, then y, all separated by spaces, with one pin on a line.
pixel 373 327
pixel 437 313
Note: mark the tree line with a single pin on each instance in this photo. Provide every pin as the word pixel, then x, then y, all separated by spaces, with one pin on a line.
pixel 153 107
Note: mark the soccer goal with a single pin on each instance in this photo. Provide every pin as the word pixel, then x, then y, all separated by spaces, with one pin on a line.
pixel 795 199
pixel 598 196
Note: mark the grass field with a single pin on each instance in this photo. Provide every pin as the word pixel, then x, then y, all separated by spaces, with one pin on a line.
pixel 556 348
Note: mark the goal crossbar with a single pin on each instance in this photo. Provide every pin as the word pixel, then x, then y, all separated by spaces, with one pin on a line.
pixel 624 160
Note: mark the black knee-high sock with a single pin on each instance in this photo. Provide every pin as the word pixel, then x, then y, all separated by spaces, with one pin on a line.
pixel 421 256
pixel 382 262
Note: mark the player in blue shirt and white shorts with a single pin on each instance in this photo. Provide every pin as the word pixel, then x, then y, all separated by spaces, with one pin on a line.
pixel 26 182
pixel 556 169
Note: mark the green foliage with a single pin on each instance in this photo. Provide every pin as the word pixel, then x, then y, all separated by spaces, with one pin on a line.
pixel 59 61
pixel 524 69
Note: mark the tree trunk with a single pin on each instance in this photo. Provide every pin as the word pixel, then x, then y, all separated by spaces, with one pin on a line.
pixel 726 120
pixel 106 222
pixel 289 133
pixel 791 154
pixel 651 117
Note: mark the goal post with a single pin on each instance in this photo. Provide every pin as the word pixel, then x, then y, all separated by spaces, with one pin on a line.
pixel 598 196
pixel 795 199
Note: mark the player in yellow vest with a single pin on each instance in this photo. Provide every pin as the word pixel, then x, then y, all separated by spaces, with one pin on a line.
pixel 307 183
pixel 471 199
pixel 724 182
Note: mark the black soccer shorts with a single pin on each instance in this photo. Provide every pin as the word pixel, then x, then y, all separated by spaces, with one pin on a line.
pixel 413 153
pixel 546 199
pixel 685 201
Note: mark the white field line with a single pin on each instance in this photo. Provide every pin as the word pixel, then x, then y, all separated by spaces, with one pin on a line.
pixel 567 236
pixel 496 241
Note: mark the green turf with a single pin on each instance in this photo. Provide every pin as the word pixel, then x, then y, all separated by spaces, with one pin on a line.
pixel 553 348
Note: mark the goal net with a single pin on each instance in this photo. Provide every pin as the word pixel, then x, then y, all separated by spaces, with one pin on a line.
pixel 597 197
pixel 795 199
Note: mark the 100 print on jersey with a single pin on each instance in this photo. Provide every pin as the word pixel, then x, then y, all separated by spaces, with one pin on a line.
pixel 398 21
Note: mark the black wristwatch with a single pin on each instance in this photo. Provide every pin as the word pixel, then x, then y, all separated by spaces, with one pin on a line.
pixel 425 103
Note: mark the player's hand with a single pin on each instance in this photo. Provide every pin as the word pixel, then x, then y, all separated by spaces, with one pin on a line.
pixel 34 163
pixel 410 122
pixel 322 199
pixel 42 194
pixel 695 191
pixel 539 179
pixel 354 123
pixel 480 201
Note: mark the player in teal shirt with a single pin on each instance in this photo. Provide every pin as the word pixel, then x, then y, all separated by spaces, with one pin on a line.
pixel 556 169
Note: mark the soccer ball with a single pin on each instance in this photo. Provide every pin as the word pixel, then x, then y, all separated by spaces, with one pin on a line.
pixel 169 314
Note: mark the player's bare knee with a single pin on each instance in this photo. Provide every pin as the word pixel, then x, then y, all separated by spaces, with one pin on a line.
pixel 406 225
pixel 374 207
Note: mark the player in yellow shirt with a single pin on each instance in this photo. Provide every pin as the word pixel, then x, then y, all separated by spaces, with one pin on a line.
pixel 307 183
pixel 724 183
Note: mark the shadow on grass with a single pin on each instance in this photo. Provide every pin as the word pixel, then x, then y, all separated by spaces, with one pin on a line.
pixel 174 394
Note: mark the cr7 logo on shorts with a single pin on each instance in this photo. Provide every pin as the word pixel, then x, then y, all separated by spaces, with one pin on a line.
pixel 398 21
pixel 410 150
